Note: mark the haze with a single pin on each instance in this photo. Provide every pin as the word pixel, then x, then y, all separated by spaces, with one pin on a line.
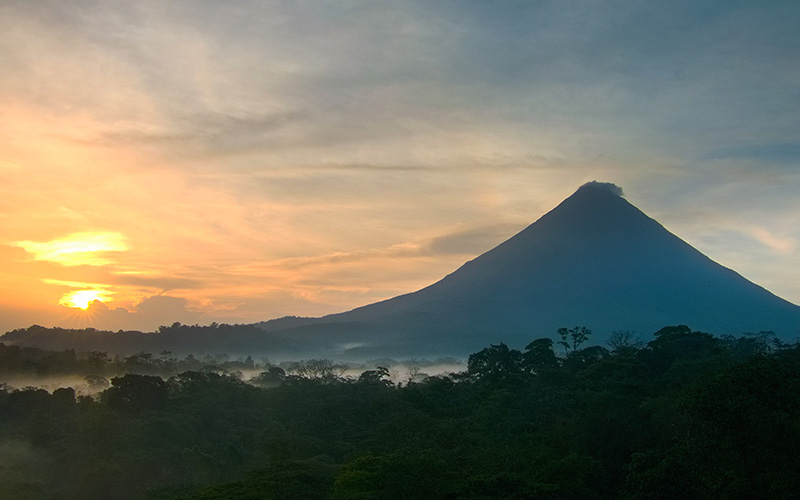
pixel 239 161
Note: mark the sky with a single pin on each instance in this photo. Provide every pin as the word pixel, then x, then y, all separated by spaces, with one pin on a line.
pixel 201 161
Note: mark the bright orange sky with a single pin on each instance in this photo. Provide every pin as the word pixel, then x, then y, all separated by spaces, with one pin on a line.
pixel 236 162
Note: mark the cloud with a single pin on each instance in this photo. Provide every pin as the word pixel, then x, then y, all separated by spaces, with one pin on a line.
pixel 162 283
pixel 163 308
pixel 465 242
pixel 409 75
pixel 784 246
pixel 77 249
pixel 472 241
pixel 9 165
pixel 604 186
pixel 207 134
pixel 780 153
pixel 148 315
pixel 317 155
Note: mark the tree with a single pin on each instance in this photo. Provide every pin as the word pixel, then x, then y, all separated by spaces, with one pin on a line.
pixel 400 475
pixel 495 363
pixel 679 354
pixel 380 375
pixel 135 393
pixel 572 338
pixel 272 377
pixel 141 362
pixel 64 396
pixel 624 342
pixel 581 358
pixel 98 360
pixel 751 345
pixel 321 370
pixel 539 355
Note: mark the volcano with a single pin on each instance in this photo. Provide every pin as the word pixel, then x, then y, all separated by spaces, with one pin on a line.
pixel 595 260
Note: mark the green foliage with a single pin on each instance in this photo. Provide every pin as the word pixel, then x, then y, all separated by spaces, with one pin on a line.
pixel 320 370
pixel 687 415
pixel 379 375
pixel 136 392
pixel 496 363
pixel 572 338
pixel 97 366
pixel 539 356
pixel 400 475
pixel 274 376
pixel 292 480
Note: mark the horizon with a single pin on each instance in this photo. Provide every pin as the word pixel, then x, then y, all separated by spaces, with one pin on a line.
pixel 238 163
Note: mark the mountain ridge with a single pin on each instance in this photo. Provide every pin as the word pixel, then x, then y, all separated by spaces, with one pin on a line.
pixel 595 260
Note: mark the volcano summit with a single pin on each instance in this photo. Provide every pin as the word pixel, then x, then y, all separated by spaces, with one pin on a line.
pixel 594 260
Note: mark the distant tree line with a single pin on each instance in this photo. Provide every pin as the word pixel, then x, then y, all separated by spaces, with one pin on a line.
pixel 33 363
pixel 177 338
pixel 687 415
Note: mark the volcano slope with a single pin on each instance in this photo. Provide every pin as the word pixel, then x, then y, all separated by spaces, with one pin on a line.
pixel 595 260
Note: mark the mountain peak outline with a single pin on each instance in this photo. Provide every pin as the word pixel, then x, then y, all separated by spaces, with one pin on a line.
pixel 594 260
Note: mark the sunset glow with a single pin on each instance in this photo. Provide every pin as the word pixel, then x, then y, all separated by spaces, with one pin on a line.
pixel 81 299
pixel 240 161
pixel 78 249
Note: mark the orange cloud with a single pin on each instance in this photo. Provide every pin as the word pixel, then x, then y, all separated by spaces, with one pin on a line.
pixel 777 244
pixel 77 249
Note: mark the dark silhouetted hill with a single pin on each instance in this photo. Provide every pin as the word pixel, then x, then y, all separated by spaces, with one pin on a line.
pixel 594 260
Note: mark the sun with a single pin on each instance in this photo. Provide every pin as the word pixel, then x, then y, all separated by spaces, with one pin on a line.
pixel 81 299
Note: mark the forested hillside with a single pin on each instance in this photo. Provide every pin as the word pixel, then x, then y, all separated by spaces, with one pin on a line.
pixel 687 415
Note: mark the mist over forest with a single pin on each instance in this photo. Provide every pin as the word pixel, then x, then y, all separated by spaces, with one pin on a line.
pixel 685 415
pixel 507 404
pixel 367 250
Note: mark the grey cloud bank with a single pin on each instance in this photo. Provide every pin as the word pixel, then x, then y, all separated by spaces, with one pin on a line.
pixel 408 131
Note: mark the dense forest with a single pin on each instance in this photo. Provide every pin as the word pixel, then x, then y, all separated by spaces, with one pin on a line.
pixel 686 415
pixel 176 338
